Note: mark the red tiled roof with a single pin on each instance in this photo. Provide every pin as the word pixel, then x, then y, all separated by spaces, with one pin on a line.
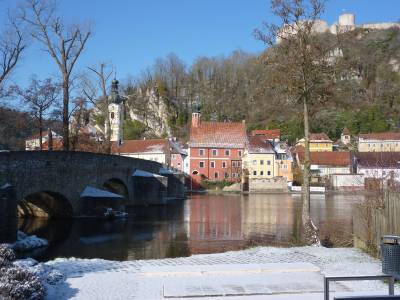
pixel 260 144
pixel 335 158
pixel 319 137
pixel 218 134
pixel 381 136
pixel 269 133
pixel 378 159
pixel 141 146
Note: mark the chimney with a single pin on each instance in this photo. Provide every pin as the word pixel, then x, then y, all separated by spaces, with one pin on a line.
pixel 196 119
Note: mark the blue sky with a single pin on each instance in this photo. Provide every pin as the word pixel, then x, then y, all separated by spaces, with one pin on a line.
pixel 132 34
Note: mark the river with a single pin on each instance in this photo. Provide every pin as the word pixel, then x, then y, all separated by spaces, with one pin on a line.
pixel 200 224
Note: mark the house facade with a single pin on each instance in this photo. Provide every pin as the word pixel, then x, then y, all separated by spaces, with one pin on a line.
pixel 319 142
pixel 33 142
pixel 379 142
pixel 283 161
pixel 216 150
pixel 259 158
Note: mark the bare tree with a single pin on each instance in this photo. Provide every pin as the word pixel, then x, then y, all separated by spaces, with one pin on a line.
pixel 95 90
pixel 41 97
pixel 64 44
pixel 300 59
pixel 12 44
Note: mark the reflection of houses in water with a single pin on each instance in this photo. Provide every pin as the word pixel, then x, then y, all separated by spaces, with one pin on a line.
pixel 268 219
pixel 215 225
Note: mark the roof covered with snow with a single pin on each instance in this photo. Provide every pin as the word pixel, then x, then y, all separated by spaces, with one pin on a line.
pixel 141 173
pixel 156 146
pixel 92 192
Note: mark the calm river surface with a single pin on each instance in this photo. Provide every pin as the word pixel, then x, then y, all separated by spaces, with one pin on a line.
pixel 201 224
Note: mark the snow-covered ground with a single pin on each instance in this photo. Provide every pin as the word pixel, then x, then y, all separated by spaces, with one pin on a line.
pixel 257 273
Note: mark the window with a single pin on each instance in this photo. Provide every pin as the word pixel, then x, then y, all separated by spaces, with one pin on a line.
pixel 227 152
pixel 284 167
pixel 238 163
pixel 234 164
pixel 268 162
pixel 226 175
pixel 179 164
pixel 201 164
pixel 234 175
pixel 240 152
pixel 224 164
pixel 195 172
pixel 173 156
pixel 212 164
pixel 112 115
pixel 261 173
pixel 261 162
pixel 201 152
pixel 269 173
pixel 255 173
pixel 216 175
pixel 254 162
pixel 214 152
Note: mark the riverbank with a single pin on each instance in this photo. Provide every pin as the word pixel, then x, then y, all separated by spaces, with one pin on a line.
pixel 257 273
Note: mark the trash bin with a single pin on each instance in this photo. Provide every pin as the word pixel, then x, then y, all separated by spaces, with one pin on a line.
pixel 390 249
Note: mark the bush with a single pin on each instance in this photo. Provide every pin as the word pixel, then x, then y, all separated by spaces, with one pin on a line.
pixel 7 256
pixel 215 185
pixel 15 282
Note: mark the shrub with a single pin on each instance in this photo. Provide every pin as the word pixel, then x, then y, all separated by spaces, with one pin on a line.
pixel 7 255
pixel 17 283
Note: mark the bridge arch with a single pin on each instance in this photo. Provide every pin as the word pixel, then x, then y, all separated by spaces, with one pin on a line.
pixel 116 186
pixel 45 204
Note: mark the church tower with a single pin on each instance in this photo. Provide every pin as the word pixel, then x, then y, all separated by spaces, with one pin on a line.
pixel 116 114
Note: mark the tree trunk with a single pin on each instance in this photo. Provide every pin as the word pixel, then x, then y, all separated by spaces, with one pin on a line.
pixel 65 113
pixel 310 232
pixel 41 131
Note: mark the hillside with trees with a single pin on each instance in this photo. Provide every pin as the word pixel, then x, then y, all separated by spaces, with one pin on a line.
pixel 364 95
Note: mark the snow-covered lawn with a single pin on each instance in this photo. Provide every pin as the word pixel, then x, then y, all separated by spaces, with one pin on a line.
pixel 258 273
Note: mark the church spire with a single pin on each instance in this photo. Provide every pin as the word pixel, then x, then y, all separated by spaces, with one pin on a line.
pixel 114 94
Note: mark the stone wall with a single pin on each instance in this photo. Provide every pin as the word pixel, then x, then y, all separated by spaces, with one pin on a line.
pixel 8 217
pixel 268 185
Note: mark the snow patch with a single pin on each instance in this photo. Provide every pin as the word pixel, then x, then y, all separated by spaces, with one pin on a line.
pixel 28 242
pixel 141 173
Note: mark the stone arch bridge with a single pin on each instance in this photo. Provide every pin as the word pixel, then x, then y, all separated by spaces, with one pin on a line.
pixel 56 179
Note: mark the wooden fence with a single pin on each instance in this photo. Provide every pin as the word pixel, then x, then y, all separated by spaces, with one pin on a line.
pixel 379 215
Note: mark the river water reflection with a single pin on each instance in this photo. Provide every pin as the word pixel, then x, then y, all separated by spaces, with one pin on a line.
pixel 201 224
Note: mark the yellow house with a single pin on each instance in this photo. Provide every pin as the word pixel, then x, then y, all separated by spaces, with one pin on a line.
pixel 319 142
pixel 379 142
pixel 259 158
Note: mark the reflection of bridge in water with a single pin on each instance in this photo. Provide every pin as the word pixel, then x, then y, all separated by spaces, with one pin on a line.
pixel 49 183
pixel 201 224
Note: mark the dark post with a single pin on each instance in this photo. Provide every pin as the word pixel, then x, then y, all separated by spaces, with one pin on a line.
pixel 8 214
pixel 50 139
